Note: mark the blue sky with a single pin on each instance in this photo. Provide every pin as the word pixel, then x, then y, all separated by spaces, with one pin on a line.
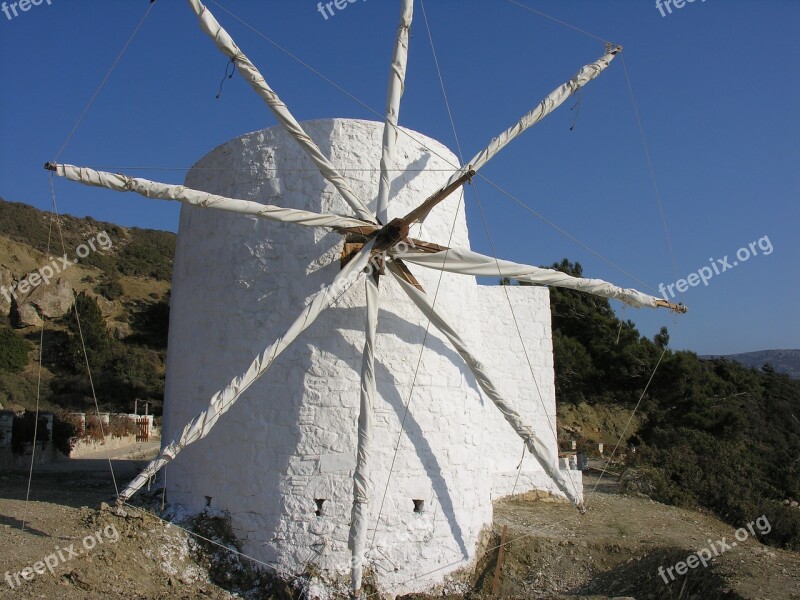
pixel 716 83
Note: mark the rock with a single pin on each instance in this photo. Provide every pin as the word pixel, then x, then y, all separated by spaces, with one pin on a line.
pixel 53 300
pixel 119 330
pixel 26 316
pixel 6 281
pixel 107 307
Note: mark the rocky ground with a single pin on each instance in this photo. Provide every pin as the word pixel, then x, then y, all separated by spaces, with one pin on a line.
pixel 614 550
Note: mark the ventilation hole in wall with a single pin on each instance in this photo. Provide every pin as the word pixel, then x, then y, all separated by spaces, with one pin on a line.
pixel 208 500
pixel 319 502
pixel 419 506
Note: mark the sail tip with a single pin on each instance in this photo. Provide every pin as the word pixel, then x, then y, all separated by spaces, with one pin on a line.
pixel 679 307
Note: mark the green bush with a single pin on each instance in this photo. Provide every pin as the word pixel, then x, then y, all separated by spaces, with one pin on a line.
pixel 96 338
pixel 13 351
pixel 111 289
pixel 785 523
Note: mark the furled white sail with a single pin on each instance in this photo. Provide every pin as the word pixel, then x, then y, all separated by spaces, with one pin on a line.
pixel 219 404
pixel 358 524
pixel 553 100
pixel 397 76
pixel 467 262
pixel 180 193
pixel 540 451
pixel 209 24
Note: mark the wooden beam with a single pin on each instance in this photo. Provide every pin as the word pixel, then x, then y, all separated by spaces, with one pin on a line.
pixel 501 556
pixel 421 212
pixel 406 274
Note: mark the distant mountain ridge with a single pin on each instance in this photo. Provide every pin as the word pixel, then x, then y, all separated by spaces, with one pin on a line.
pixel 784 361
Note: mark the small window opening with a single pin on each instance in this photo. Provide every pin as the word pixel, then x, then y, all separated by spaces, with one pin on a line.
pixel 419 506
pixel 319 502
pixel 208 500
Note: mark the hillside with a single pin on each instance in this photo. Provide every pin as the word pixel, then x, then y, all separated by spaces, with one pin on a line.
pixel 122 278
pixel 783 361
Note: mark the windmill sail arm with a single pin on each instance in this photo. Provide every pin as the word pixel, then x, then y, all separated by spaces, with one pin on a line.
pixel 397 76
pixel 179 193
pixel 535 445
pixel 222 401
pixel 225 43
pixel 467 262
pixel 553 100
pixel 358 523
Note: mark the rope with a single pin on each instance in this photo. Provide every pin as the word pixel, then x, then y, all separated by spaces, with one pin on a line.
pixel 650 168
pixel 49 234
pixel 38 385
pixel 83 342
pixel 566 233
pixel 630 419
pixel 519 469
pixel 427 328
pixel 414 380
pixel 198 536
pixel 491 245
pixel 227 75
pixel 564 23
pixel 533 530
pixel 409 135
pixel 460 158
pixel 519 333
pixel 61 233
pixel 103 82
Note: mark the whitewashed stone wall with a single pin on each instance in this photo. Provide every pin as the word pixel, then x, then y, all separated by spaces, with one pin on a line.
pixel 238 282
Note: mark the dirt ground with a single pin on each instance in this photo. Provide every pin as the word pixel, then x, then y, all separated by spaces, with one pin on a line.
pixel 613 551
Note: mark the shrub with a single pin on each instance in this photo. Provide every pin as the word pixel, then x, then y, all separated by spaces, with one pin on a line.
pixel 785 522
pixel 122 425
pixel 13 351
pixel 22 431
pixel 67 429
pixel 111 289
pixel 94 428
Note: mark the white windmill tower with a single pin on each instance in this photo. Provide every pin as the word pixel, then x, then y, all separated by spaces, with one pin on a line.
pixel 326 461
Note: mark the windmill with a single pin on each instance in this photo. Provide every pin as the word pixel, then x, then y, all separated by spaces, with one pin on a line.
pixel 375 249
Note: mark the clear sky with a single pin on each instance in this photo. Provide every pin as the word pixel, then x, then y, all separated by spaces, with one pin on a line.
pixel 717 85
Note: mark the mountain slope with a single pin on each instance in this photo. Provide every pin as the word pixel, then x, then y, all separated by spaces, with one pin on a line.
pixel 783 361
